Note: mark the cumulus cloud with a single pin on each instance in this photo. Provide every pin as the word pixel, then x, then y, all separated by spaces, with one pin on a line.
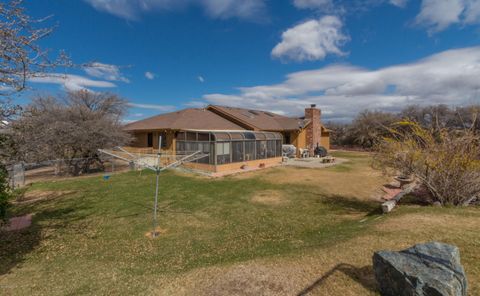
pixel 313 4
pixel 105 71
pixel 437 15
pixel 399 3
pixel 201 79
pixel 449 77
pixel 312 40
pixel 341 7
pixel 149 75
pixel 163 108
pixel 71 82
pixel 472 12
pixel 221 9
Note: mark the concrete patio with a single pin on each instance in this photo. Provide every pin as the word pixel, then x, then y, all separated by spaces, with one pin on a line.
pixel 312 162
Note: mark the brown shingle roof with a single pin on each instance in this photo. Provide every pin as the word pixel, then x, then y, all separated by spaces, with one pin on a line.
pixel 261 120
pixel 193 118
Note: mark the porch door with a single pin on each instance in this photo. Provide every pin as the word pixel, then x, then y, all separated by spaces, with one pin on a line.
pixel 150 140
pixel 286 138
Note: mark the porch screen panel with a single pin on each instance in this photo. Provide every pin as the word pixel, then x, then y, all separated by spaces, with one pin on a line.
pixel 222 150
pixel 237 151
pixel 249 150
pixel 180 147
pixel 279 148
pixel 271 148
pixel 261 149
pixel 204 147
pixel 191 147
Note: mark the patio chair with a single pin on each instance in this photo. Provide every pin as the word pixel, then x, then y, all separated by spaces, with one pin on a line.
pixel 304 153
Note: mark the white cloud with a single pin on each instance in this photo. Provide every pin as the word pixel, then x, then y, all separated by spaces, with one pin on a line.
pixel 105 71
pixel 201 79
pixel 313 4
pixel 437 15
pixel 163 108
pixel 399 3
pixel 312 40
pixel 449 77
pixel 342 7
pixel 71 82
pixel 472 12
pixel 221 9
pixel 149 75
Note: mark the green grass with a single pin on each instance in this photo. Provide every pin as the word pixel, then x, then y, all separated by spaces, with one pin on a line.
pixel 206 222
pixel 92 240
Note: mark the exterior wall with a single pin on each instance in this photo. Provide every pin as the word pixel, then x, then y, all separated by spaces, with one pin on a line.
pixel 325 140
pixel 141 141
pixel 314 128
pixel 233 166
pixel 299 140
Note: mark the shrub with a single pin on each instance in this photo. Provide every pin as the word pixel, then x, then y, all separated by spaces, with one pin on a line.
pixel 446 162
pixel 4 194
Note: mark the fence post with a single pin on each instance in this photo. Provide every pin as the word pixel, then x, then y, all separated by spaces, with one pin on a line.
pixel 57 167
pixel 18 175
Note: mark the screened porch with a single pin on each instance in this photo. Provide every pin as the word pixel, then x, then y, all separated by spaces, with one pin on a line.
pixel 224 147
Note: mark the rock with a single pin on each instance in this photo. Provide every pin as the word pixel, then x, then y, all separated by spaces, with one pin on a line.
pixel 431 269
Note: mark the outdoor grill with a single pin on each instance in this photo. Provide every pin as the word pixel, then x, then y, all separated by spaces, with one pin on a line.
pixel 320 151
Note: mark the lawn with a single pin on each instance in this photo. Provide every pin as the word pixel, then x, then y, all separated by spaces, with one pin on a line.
pixel 280 231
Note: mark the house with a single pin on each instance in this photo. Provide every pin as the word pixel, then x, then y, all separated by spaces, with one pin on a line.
pixel 230 137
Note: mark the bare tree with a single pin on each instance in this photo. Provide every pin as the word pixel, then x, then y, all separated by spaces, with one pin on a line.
pixel 71 128
pixel 446 162
pixel 369 127
pixel 20 55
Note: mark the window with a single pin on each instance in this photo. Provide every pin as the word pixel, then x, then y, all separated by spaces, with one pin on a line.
pixel 150 140
pixel 249 136
pixel 164 139
pixel 203 137
pixel 191 136
pixel 223 152
pixel 181 136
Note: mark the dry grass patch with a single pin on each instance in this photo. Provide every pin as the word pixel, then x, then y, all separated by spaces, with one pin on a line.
pixel 361 184
pixel 418 223
pixel 158 232
pixel 340 269
pixel 38 195
pixel 269 197
pixel 353 178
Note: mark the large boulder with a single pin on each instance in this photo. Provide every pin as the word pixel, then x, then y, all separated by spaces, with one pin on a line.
pixel 431 269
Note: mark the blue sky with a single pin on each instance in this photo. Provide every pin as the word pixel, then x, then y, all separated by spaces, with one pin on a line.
pixel 345 56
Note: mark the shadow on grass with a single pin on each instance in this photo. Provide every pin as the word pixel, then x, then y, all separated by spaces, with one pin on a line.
pixel 363 275
pixel 15 245
pixel 335 201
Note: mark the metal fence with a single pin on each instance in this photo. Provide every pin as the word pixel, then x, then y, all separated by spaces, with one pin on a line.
pixel 21 174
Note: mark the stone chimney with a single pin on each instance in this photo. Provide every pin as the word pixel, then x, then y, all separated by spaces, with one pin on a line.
pixel 314 128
